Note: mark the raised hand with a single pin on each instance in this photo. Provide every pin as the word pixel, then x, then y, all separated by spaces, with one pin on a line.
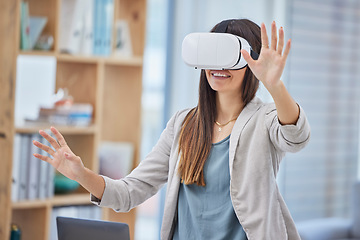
pixel 63 159
pixel 270 65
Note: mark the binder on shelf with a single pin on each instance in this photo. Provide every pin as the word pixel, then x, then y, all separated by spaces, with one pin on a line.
pixel 32 178
pixel 88 36
pixel 53 226
pixel 43 180
pixel 108 11
pixel 25 43
pixel 24 153
pixel 71 26
pixel 32 187
pixel 16 168
pixel 43 173
pixel 97 15
pixel 103 24
pixel 51 172
pixel 50 186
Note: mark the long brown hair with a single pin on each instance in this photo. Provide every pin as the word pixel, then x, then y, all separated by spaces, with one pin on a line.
pixel 197 129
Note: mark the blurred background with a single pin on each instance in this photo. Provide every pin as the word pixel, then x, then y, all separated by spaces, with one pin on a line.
pixel 322 74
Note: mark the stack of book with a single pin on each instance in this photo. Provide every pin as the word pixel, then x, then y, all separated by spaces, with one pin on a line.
pixel 32 178
pixel 70 115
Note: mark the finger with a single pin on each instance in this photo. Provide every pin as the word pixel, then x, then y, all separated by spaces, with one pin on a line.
pixel 59 137
pixel 264 37
pixel 281 41
pixel 248 58
pixel 50 139
pixel 42 157
pixel 273 36
pixel 287 49
pixel 44 147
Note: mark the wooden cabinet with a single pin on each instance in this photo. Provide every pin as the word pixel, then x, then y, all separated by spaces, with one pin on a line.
pixel 112 85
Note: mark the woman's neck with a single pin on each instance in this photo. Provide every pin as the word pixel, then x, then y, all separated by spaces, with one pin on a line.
pixel 228 107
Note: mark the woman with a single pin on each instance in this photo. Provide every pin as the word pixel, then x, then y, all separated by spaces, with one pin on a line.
pixel 220 159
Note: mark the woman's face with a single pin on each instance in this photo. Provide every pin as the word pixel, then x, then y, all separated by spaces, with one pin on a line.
pixel 224 81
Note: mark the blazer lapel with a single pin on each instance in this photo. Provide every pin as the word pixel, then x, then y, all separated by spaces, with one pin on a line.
pixel 245 115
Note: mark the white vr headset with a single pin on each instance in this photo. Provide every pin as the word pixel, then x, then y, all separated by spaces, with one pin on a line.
pixel 215 50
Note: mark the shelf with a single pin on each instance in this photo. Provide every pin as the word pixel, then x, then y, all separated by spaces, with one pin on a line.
pixel 70 199
pixel 37 53
pixel 30 204
pixel 63 129
pixel 77 58
pixel 113 60
pixel 57 200
pixel 130 61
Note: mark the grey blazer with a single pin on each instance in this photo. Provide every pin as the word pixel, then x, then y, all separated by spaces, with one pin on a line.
pixel 258 142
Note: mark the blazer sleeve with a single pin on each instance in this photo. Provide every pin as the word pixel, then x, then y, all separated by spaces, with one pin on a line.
pixel 287 138
pixel 144 181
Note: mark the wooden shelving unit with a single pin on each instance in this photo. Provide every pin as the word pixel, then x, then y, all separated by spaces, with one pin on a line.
pixel 64 130
pixel 8 49
pixel 58 200
pixel 112 85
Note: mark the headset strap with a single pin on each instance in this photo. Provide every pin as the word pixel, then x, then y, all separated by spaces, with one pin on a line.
pixel 222 28
pixel 254 54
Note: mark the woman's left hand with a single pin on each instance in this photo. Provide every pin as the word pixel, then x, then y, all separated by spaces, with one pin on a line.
pixel 271 62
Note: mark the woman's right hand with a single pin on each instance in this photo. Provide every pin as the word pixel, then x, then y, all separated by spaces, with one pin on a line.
pixel 63 159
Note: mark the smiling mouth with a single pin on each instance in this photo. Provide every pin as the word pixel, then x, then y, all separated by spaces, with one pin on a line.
pixel 219 75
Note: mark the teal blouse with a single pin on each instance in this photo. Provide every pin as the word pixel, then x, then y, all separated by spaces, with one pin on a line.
pixel 207 212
